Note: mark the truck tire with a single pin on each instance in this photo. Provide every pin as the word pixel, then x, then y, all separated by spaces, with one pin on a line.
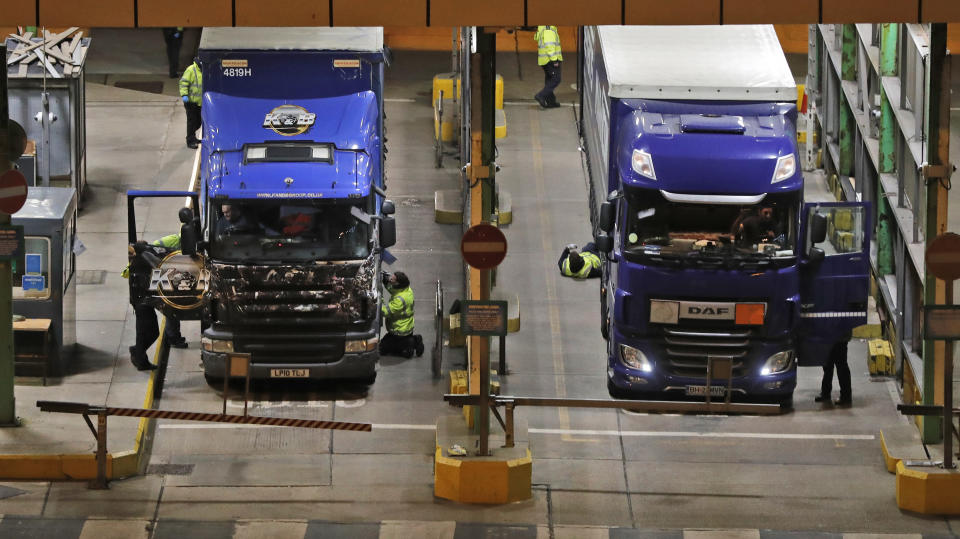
pixel 216 382
pixel 786 403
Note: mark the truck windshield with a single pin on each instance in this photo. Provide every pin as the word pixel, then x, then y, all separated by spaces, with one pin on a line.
pixel 288 230
pixel 658 230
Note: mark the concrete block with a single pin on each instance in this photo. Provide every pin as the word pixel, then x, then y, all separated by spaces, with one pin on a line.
pixel 928 490
pixel 901 442
pixel 447 207
pixel 504 207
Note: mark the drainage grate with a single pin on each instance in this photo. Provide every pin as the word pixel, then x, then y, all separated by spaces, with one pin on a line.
pixel 91 276
pixel 170 469
pixel 150 86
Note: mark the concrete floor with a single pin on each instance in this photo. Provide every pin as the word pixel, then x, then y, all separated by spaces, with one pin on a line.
pixel 815 472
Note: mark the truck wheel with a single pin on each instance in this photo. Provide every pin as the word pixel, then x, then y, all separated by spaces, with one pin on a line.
pixel 786 403
pixel 215 382
pixel 367 380
pixel 604 317
pixel 615 391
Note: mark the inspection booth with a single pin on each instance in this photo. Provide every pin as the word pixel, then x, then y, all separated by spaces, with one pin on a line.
pixel 48 98
pixel 44 290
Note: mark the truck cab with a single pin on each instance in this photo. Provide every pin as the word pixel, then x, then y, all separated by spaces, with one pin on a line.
pixel 711 251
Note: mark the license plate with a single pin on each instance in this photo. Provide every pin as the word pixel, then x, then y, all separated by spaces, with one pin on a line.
pixel 289 373
pixel 701 391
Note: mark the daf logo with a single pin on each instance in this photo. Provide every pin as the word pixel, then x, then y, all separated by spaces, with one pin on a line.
pixel 180 281
pixel 289 120
pixel 719 312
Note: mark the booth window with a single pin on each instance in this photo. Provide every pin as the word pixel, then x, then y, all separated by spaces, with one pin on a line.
pixel 32 279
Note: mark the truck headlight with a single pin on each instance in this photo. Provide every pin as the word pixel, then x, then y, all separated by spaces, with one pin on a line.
pixel 216 345
pixel 642 163
pixel 786 168
pixel 361 345
pixel 633 358
pixel 778 362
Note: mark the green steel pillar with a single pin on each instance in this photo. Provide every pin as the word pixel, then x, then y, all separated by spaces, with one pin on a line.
pixel 487 49
pixel 938 146
pixel 884 235
pixel 888 132
pixel 848 130
pixel 8 415
pixel 888 49
pixel 848 59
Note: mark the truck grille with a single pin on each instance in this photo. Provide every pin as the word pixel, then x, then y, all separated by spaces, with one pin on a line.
pixel 688 350
pixel 289 348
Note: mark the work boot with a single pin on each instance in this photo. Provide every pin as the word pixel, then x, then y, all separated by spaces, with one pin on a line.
pixel 177 342
pixel 844 401
pixel 822 398
pixel 140 360
pixel 407 353
pixel 419 345
pixel 193 144
pixel 543 102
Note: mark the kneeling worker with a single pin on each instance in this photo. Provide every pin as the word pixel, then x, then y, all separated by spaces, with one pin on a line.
pixel 146 317
pixel 398 317
pixel 580 263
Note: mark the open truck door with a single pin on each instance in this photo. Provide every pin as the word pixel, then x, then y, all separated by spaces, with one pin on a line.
pixel 835 275
pixel 174 280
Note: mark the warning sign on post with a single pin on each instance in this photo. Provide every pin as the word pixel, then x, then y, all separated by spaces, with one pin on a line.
pixel 11 242
pixel 484 318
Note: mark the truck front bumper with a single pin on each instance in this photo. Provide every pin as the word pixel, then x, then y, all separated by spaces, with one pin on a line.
pixel 360 365
pixel 659 380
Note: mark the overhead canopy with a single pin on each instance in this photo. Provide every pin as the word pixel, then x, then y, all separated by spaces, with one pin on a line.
pixel 344 38
pixel 735 62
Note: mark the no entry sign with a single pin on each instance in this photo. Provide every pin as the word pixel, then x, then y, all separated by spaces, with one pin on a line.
pixel 13 191
pixel 943 257
pixel 483 246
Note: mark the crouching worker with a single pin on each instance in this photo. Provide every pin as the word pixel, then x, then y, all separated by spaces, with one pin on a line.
pixel 580 263
pixel 398 317
pixel 147 328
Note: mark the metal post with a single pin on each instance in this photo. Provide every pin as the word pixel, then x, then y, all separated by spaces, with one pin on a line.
pixel 246 391
pixel 8 415
pixel 937 153
pixel 503 356
pixel 948 394
pixel 508 430
pixel 101 481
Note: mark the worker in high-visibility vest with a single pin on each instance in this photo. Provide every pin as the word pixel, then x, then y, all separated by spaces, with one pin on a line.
pixel 173 37
pixel 146 317
pixel 580 263
pixel 191 92
pixel 397 313
pixel 550 59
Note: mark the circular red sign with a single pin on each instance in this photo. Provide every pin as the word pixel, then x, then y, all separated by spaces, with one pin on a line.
pixel 483 246
pixel 13 191
pixel 943 257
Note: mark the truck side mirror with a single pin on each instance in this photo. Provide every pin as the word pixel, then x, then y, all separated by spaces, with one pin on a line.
pixel 388 208
pixel 188 232
pixel 818 228
pixel 607 217
pixel 388 232
pixel 604 243
pixel 815 256
pixel 188 239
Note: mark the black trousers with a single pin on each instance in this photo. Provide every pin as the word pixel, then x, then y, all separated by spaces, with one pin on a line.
pixel 193 121
pixel 148 330
pixel 838 360
pixel 392 344
pixel 551 79
pixel 173 48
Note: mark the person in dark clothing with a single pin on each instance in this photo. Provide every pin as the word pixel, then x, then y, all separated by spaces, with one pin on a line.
pixel 174 40
pixel 756 228
pixel 147 327
pixel 836 360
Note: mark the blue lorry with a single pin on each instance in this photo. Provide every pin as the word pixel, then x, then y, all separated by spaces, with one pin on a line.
pixel 697 202
pixel 290 222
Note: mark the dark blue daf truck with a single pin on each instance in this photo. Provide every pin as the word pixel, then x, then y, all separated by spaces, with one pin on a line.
pixel 697 201
pixel 289 223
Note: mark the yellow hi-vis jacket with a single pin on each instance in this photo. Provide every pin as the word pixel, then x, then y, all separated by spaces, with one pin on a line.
pixel 548 45
pixel 171 241
pixel 590 261
pixel 398 313
pixel 191 84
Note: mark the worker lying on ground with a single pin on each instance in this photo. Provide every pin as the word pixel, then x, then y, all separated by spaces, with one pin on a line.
pixel 580 263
